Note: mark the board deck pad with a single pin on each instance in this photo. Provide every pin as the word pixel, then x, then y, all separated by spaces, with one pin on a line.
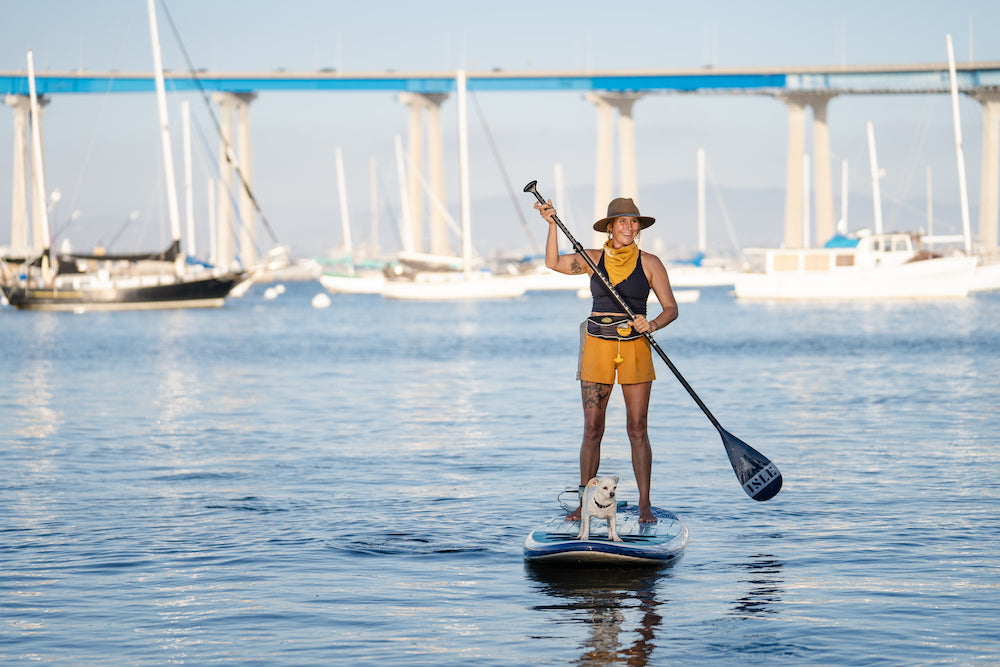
pixel 642 543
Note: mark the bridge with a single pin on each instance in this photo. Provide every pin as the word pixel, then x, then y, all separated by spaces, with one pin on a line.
pixel 610 91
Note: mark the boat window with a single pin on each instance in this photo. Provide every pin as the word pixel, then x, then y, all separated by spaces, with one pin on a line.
pixel 901 245
pixel 845 260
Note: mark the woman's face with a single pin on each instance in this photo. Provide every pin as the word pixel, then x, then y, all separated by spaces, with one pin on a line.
pixel 623 231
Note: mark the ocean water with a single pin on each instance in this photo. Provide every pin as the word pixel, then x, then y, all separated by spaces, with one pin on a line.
pixel 270 483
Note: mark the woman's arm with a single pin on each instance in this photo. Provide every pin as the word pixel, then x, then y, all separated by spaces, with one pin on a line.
pixel 656 274
pixel 569 264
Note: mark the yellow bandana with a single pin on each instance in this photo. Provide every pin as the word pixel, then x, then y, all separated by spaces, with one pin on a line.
pixel 620 262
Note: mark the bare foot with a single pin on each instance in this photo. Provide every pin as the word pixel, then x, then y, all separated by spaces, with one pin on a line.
pixel 646 515
pixel 574 515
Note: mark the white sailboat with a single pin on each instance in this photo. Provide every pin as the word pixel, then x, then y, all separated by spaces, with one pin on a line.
pixel 702 271
pixel 123 282
pixel 986 275
pixel 864 266
pixel 344 275
pixel 467 283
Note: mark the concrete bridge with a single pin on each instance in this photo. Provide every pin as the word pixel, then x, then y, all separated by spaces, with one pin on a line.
pixel 613 93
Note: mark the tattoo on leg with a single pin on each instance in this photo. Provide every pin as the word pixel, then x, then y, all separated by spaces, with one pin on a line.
pixel 595 394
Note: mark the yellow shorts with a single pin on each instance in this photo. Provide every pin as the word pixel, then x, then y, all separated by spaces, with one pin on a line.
pixel 597 361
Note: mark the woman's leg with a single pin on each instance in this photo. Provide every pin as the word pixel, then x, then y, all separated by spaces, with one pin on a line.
pixel 595 405
pixel 636 410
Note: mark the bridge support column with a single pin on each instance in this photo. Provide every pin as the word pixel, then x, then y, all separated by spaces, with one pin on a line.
pixel 606 104
pixel 224 246
pixel 989 190
pixel 793 175
pixel 19 228
pixel 794 178
pixel 823 182
pixel 431 104
pixel 248 212
pixel 237 104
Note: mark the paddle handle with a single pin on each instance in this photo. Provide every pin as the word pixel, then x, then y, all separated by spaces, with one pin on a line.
pixel 532 187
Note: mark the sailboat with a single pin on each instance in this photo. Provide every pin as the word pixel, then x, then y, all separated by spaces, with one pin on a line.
pixel 467 283
pixel 115 282
pixel 700 271
pixel 986 275
pixel 862 266
pixel 344 275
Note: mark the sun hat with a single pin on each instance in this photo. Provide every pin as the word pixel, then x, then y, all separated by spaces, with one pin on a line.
pixel 622 208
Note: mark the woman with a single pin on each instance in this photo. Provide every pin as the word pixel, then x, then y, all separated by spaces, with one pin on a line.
pixel 614 345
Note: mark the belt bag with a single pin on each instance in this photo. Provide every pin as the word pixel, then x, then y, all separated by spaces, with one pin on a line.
pixel 611 328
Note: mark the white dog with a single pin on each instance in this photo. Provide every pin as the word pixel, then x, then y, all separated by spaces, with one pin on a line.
pixel 599 502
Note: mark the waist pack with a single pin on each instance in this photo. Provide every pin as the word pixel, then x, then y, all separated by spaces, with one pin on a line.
pixel 610 327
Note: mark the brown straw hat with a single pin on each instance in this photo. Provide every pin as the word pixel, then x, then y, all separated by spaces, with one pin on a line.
pixel 622 208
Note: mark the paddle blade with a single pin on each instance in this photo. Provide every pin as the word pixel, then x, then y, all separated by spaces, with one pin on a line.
pixel 760 478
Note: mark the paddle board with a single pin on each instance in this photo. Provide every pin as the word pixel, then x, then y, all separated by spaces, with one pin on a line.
pixel 659 543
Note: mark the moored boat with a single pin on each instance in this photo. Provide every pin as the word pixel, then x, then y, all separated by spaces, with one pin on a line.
pixel 868 266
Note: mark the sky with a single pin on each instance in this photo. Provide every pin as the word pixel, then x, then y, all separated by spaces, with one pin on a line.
pixel 102 151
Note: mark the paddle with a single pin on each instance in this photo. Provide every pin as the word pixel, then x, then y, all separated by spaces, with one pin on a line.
pixel 760 478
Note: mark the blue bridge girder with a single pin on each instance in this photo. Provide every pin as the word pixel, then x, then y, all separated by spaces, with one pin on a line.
pixel 855 79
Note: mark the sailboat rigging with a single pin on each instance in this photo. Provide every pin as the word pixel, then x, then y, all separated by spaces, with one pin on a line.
pixel 116 282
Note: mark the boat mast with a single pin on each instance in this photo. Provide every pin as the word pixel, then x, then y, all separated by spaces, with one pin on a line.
pixel 876 175
pixel 168 155
pixel 38 168
pixel 842 223
pixel 345 221
pixel 702 235
pixel 406 230
pixel 463 172
pixel 959 151
pixel 806 235
pixel 373 203
pixel 188 178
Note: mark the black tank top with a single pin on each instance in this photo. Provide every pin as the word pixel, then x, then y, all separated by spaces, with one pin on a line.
pixel 634 289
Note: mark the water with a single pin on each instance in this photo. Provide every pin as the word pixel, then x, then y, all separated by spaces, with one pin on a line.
pixel 274 484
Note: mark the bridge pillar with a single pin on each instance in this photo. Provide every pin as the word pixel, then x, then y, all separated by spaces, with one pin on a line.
pixel 606 104
pixel 989 190
pixel 794 181
pixel 419 103
pixel 823 182
pixel 19 228
pixel 794 177
pixel 224 247
pixel 248 213
pixel 237 104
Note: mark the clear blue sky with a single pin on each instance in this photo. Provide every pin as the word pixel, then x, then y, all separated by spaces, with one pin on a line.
pixel 102 151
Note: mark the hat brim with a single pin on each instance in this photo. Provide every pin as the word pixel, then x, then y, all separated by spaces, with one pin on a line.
pixel 602 224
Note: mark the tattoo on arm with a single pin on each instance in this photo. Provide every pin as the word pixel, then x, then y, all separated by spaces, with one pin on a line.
pixel 575 267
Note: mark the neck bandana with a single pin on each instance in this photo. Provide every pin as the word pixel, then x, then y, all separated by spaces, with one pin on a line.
pixel 620 262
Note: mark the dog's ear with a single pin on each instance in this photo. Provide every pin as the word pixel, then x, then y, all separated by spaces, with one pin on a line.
pixel 616 479
pixel 593 482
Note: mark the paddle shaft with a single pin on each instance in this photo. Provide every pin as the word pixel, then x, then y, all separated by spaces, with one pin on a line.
pixel 530 187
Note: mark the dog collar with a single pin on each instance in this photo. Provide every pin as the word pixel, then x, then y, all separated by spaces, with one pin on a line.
pixel 602 506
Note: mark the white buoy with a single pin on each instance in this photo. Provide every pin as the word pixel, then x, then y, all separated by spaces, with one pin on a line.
pixel 321 300
pixel 279 288
pixel 271 293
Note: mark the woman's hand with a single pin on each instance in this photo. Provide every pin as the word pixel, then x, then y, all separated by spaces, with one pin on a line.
pixel 642 325
pixel 547 211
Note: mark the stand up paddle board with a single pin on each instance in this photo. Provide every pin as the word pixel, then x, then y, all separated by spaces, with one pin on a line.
pixel 659 543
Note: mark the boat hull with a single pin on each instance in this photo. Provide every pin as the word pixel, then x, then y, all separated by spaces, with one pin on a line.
pixel 940 278
pixel 129 294
pixel 356 284
pixel 450 287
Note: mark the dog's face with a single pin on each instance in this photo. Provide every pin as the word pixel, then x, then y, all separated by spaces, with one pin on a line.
pixel 602 489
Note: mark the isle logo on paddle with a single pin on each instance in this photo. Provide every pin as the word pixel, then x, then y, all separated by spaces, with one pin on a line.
pixel 755 484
